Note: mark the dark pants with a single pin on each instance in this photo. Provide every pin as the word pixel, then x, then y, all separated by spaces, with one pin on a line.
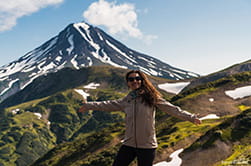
pixel 127 154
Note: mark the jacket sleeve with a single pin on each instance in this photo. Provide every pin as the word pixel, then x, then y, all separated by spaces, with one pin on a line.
pixel 175 111
pixel 109 105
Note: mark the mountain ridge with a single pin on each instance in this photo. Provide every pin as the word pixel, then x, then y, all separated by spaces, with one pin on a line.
pixel 234 69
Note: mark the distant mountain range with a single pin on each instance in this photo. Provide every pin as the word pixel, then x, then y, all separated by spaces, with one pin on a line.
pixel 80 45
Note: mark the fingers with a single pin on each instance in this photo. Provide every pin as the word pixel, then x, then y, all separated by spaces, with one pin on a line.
pixel 197 121
pixel 82 109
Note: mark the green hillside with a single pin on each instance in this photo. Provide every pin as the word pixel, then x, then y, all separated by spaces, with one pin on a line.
pixel 62 136
pixel 64 79
pixel 225 144
pixel 25 137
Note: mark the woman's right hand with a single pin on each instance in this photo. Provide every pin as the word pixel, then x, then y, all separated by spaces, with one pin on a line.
pixel 82 109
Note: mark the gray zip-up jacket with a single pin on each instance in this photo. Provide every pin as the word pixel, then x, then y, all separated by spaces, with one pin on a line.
pixel 140 118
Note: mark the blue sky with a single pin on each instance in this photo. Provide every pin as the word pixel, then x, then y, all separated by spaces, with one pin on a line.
pixel 202 36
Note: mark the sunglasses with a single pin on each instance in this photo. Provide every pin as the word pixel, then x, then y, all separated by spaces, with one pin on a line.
pixel 131 79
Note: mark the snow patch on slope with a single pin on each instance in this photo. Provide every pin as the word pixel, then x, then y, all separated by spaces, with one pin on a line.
pixel 240 92
pixel 9 86
pixel 176 160
pixel 70 40
pixel 173 87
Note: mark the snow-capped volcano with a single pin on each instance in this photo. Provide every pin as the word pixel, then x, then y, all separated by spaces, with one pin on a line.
pixel 80 45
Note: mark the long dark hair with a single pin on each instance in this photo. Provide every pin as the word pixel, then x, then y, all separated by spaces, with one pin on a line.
pixel 149 93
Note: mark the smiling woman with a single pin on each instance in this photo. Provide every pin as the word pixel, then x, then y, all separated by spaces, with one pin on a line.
pixel 139 106
pixel 134 81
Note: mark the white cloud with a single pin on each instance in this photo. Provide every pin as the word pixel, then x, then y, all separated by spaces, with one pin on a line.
pixel 10 11
pixel 149 38
pixel 117 18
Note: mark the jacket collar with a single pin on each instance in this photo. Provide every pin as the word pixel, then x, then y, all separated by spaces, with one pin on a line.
pixel 135 93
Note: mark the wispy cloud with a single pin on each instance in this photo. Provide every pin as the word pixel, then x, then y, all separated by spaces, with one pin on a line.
pixel 117 18
pixel 10 11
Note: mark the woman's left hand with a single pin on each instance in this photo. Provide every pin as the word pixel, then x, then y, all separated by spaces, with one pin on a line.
pixel 197 121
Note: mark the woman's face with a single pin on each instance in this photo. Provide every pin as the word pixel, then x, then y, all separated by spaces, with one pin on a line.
pixel 134 81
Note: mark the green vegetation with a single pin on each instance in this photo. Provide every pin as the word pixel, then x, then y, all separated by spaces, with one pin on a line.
pixel 241 156
pixel 84 151
pixel 62 136
pixel 176 130
pixel 25 137
pixel 244 107
pixel 233 131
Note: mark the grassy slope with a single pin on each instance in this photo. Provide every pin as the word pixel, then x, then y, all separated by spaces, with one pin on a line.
pixel 224 144
pixel 24 137
pixel 28 137
pixel 222 105
pixel 99 147
pixel 229 141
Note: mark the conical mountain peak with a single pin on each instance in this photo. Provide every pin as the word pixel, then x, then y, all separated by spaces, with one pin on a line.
pixel 80 45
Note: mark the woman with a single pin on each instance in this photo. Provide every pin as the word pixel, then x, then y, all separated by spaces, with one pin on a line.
pixel 139 106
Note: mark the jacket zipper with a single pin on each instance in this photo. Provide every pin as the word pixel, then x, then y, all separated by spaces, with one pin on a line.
pixel 135 124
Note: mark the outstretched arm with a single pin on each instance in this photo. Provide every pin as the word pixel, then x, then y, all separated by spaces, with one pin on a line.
pixel 197 121
pixel 177 112
pixel 110 105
